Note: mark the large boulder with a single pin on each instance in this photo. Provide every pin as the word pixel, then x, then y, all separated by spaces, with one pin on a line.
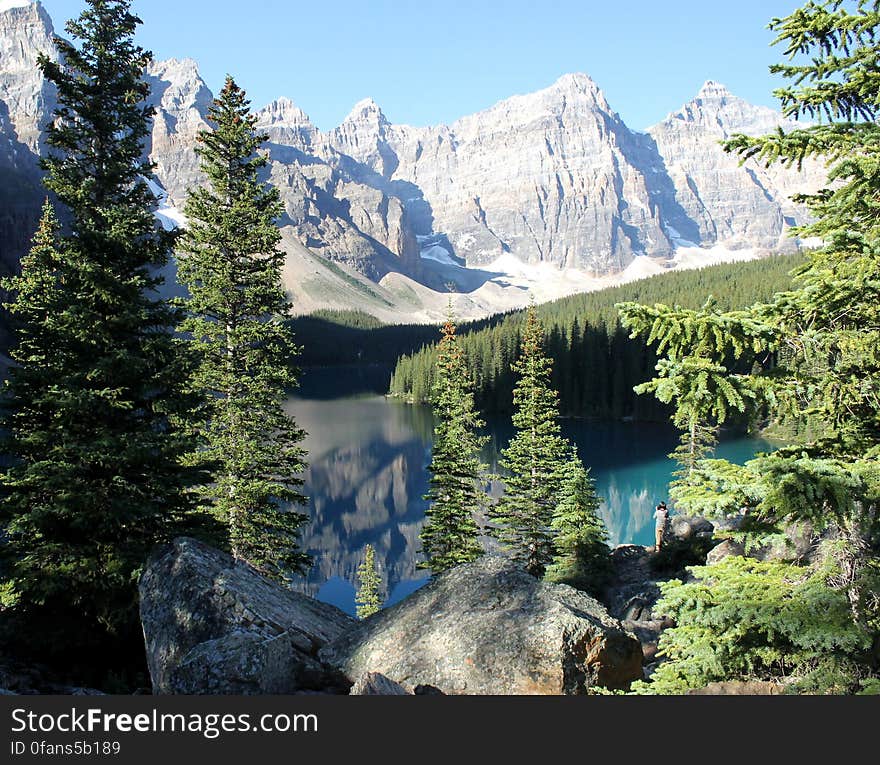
pixel 685 527
pixel 215 626
pixel 726 549
pixel 489 628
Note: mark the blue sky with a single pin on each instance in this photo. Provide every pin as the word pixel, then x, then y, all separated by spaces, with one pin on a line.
pixel 433 61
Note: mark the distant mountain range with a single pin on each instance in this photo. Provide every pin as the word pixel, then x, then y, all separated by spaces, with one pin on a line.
pixel 548 193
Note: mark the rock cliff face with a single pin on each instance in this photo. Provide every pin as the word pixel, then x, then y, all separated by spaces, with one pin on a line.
pixel 748 206
pixel 552 177
pixel 181 100
pixel 26 100
pixel 25 32
pixel 549 180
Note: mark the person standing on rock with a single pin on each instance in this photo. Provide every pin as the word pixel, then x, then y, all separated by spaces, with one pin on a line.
pixel 661 518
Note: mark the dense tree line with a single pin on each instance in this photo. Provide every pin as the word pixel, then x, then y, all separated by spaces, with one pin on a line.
pixel 344 337
pixel 596 363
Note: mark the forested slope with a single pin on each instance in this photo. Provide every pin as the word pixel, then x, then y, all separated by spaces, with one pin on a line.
pixel 596 364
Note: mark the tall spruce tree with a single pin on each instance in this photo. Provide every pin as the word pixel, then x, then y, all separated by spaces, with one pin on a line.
pixel 450 535
pixel 534 460
pixel 236 310
pixel 581 555
pixel 368 599
pixel 96 477
pixel 816 346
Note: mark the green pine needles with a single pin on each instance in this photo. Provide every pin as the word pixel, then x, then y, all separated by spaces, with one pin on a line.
pixel 534 461
pixel 813 355
pixel 450 535
pixel 97 473
pixel 231 266
pixel 742 619
pixel 368 599
pixel 580 538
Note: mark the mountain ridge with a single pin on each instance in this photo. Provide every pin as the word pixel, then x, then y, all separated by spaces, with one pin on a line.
pixel 544 193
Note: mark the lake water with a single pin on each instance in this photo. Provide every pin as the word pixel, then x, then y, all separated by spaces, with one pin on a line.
pixel 367 475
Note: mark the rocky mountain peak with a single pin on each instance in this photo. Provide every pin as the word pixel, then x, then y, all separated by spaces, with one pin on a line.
pixel 10 5
pixel 24 18
pixel 712 90
pixel 283 112
pixel 748 206
pixel 179 85
pixel 577 82
pixel 362 136
pixel 286 124
pixel 181 99
pixel 718 111
pixel 577 88
pixel 543 181
pixel 366 111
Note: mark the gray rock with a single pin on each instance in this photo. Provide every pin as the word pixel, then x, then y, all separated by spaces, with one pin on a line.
pixel 683 528
pixel 740 205
pixel 730 522
pixel 427 690
pixel 212 625
pixel 244 663
pixel 26 100
pixel 488 628
pixel 376 684
pixel 724 550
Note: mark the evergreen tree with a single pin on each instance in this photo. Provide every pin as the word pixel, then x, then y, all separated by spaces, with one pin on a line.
pixel 596 363
pixel 450 535
pixel 580 538
pixel 812 353
pixel 369 593
pixel 534 460
pixel 236 311
pixel 97 476
pixel 742 619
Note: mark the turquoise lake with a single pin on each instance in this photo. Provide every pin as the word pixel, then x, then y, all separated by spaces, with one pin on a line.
pixel 367 475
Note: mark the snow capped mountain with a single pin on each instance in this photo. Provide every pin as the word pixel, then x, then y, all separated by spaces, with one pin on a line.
pixel 548 192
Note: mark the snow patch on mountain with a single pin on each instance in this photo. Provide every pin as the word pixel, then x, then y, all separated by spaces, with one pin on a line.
pixel 439 254
pixel 167 214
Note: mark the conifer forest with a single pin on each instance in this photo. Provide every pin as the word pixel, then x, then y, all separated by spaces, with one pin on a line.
pixel 160 451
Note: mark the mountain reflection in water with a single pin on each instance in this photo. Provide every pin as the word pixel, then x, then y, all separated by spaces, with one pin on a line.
pixel 367 476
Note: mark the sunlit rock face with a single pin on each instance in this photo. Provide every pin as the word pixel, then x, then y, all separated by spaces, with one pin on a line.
pixel 181 100
pixel 746 205
pixel 26 101
pixel 548 180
